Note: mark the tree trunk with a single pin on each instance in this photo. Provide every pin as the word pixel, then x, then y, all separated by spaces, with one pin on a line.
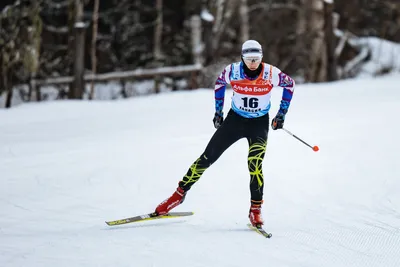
pixel 8 88
pixel 317 67
pixel 207 37
pixel 225 11
pixel 330 40
pixel 197 46
pixel 301 45
pixel 31 85
pixel 197 49
pixel 78 86
pixel 94 41
pixel 217 27
pixel 136 13
pixel 158 56
pixel 244 25
pixel 158 31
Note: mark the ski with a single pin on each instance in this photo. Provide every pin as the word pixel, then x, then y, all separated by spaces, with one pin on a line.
pixel 260 230
pixel 148 217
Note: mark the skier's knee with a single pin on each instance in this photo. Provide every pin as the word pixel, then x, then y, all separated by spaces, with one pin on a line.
pixel 255 166
pixel 207 159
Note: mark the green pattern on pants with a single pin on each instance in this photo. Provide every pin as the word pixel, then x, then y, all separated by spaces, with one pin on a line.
pixel 194 173
pixel 256 156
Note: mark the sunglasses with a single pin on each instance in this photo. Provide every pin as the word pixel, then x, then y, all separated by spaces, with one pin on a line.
pixel 252 59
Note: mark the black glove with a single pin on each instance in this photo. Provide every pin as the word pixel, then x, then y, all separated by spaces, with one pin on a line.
pixel 278 121
pixel 218 119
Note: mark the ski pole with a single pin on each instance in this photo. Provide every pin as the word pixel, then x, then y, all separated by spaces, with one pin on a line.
pixel 315 148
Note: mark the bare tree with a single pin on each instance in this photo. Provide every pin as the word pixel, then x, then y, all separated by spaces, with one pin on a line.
pixel 244 25
pixel 317 54
pixel 301 29
pixel 158 31
pixel 197 46
pixel 77 89
pixel 95 19
pixel 224 11
pixel 330 40
pixel 158 55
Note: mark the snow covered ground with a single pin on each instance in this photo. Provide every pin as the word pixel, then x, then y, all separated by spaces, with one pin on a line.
pixel 67 166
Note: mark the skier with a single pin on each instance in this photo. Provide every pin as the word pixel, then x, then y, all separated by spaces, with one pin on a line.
pixel 252 81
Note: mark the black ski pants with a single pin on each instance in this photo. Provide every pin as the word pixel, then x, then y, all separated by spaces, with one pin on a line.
pixel 235 127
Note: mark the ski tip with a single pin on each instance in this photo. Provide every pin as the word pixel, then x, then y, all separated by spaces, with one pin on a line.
pixel 118 222
pixel 259 230
pixel 180 213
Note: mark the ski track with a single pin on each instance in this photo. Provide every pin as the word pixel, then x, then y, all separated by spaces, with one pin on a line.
pixel 66 167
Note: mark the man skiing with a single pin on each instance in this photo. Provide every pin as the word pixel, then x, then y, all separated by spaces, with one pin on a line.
pixel 252 81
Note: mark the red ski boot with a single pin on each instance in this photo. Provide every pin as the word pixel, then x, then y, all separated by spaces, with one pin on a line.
pixel 177 198
pixel 255 215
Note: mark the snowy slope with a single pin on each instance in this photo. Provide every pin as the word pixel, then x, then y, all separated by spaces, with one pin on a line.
pixel 66 167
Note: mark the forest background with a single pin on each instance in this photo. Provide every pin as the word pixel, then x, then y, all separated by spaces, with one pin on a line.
pixel 69 44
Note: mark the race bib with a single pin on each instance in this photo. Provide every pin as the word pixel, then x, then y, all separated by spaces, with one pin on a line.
pixel 251 96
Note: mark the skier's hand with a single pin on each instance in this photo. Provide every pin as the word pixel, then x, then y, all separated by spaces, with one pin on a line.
pixel 278 121
pixel 218 119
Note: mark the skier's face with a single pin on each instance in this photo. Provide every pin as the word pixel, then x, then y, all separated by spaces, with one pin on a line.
pixel 252 62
